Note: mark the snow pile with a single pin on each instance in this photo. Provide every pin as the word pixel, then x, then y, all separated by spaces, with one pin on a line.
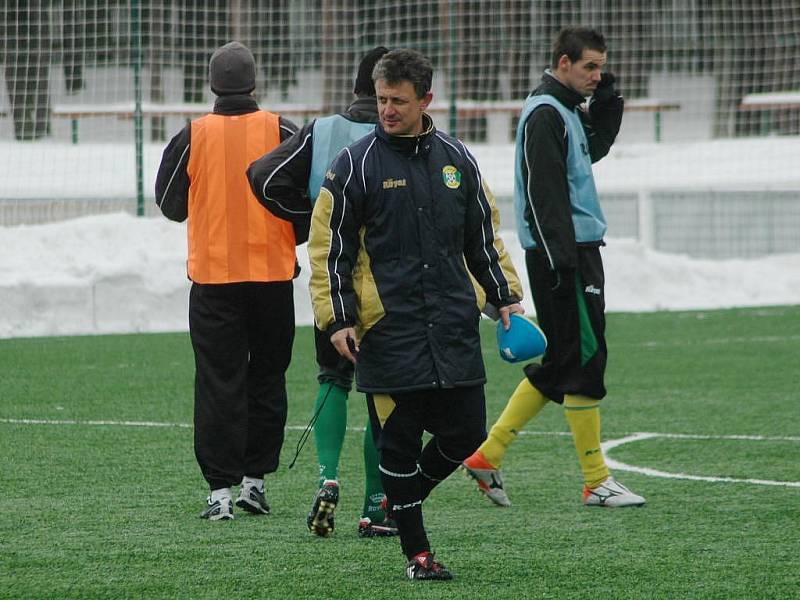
pixel 118 273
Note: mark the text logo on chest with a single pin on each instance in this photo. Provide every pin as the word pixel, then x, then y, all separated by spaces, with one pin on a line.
pixel 390 184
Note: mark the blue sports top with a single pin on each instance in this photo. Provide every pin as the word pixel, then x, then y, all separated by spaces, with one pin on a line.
pixel 587 215
pixel 331 134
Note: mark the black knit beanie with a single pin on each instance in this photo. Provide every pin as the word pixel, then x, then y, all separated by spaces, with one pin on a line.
pixel 232 70
pixel 364 84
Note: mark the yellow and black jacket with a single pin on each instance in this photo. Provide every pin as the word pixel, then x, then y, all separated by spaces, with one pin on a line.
pixel 399 225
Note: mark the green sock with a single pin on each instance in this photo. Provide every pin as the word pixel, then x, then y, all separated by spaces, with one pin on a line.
pixel 329 429
pixel 373 490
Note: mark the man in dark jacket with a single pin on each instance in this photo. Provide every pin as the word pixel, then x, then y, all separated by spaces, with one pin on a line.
pixel 401 221
pixel 241 262
pixel 286 181
pixel 561 226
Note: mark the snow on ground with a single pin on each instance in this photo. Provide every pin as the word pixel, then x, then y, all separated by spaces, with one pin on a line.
pixel 47 169
pixel 117 273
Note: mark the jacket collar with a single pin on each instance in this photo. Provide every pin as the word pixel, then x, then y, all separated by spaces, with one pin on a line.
pixel 363 110
pixel 409 144
pixel 553 87
pixel 235 104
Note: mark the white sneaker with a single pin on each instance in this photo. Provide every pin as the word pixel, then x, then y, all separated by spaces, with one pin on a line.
pixel 611 493
pixel 220 510
pixel 252 500
pixel 489 480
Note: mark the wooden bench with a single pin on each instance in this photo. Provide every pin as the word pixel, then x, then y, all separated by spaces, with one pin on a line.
pixel 500 112
pixel 769 102
pixel 652 105
pixel 126 110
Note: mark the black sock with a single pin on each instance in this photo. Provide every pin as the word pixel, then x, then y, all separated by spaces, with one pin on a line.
pixel 402 485
pixel 435 466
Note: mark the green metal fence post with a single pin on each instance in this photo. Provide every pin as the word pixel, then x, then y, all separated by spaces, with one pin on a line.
pixel 452 68
pixel 138 125
pixel 658 125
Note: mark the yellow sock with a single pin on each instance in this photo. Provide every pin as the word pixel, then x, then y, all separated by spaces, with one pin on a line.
pixel 583 416
pixel 524 404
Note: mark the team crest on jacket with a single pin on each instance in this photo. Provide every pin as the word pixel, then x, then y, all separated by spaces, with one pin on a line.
pixel 451 177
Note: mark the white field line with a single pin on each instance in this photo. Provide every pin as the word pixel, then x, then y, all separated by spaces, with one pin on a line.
pixel 607 445
pixel 187 425
pixel 92 422
pixel 116 423
pixel 620 466
pixel 762 339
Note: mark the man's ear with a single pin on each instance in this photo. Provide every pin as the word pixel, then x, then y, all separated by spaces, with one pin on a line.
pixel 426 100
pixel 564 63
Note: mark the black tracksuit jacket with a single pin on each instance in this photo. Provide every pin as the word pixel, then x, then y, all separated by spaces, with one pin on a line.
pixel 399 224
pixel 279 179
pixel 547 152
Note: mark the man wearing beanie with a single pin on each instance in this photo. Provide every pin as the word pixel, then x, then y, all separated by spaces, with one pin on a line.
pixel 286 181
pixel 241 261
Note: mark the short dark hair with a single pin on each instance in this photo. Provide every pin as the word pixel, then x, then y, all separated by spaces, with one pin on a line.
pixel 572 41
pixel 364 86
pixel 405 65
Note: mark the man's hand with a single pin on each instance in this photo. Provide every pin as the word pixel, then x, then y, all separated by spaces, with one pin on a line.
pixel 605 90
pixel 507 311
pixel 345 343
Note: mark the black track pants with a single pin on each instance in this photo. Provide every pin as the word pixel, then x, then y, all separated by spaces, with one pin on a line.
pixel 572 318
pixel 242 335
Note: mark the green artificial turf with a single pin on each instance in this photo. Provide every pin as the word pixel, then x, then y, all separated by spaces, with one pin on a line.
pixel 98 501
